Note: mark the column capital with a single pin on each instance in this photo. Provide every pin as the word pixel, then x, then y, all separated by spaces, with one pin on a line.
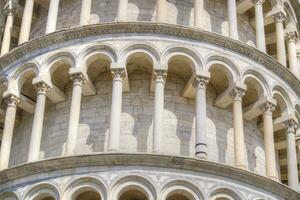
pixel 42 88
pixel 159 75
pixel 268 107
pixel 78 78
pixel 9 7
pixel 200 82
pixel 258 1
pixel 291 125
pixel 291 36
pixel 12 100
pixel 237 93
pixel 279 17
pixel 118 73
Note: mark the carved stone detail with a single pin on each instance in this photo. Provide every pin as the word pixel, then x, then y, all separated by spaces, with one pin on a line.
pixel 200 82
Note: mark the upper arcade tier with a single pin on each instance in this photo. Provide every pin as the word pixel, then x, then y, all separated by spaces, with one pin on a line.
pixel 269 25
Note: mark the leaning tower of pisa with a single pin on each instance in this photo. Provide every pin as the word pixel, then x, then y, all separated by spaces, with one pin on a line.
pixel 150 100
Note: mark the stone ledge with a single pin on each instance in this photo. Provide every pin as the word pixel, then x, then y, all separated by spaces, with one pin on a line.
pixel 150 160
pixel 154 28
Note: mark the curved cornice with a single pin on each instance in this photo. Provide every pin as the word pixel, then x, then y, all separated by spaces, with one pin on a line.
pixel 149 160
pixel 154 28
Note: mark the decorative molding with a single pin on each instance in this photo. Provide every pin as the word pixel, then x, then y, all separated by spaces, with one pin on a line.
pixel 148 160
pixel 147 27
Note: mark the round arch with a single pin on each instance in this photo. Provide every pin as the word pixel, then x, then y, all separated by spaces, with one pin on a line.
pixel 259 78
pixel 133 183
pixel 42 190
pixel 22 74
pixel 190 55
pixel 151 52
pixel 62 56
pixel 224 193
pixel 283 99
pixel 85 184
pixel 96 51
pixel 230 69
pixel 184 188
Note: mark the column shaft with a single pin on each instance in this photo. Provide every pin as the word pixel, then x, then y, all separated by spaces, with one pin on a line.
pixel 232 19
pixel 26 21
pixel 201 141
pixel 38 120
pixel 78 81
pixel 269 142
pixel 161 13
pixel 238 127
pixel 293 179
pixel 8 131
pixel 280 42
pixel 293 65
pixel 198 9
pixel 85 12
pixel 7 33
pixel 259 24
pixel 159 77
pixel 116 109
pixel 52 16
pixel 122 10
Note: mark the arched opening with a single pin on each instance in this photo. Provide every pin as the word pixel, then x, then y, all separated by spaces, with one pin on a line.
pixel 281 113
pixel 224 194
pixel 133 194
pixel 58 68
pixel 180 195
pixel 255 96
pixel 25 111
pixel 44 198
pixel 179 109
pixel 137 113
pixel 221 81
pixel 94 128
pixel 87 195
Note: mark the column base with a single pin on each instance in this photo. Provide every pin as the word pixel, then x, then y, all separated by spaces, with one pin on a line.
pixel 201 155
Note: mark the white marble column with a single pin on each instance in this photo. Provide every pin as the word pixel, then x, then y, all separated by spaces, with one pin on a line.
pixel 232 19
pixel 85 12
pixel 122 10
pixel 38 120
pixel 52 16
pixel 26 21
pixel 292 54
pixel 293 179
pixel 259 25
pixel 198 13
pixel 269 143
pixel 280 41
pixel 8 29
pixel 200 84
pixel 116 109
pixel 9 125
pixel 159 79
pixel 238 128
pixel 161 12
pixel 78 80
